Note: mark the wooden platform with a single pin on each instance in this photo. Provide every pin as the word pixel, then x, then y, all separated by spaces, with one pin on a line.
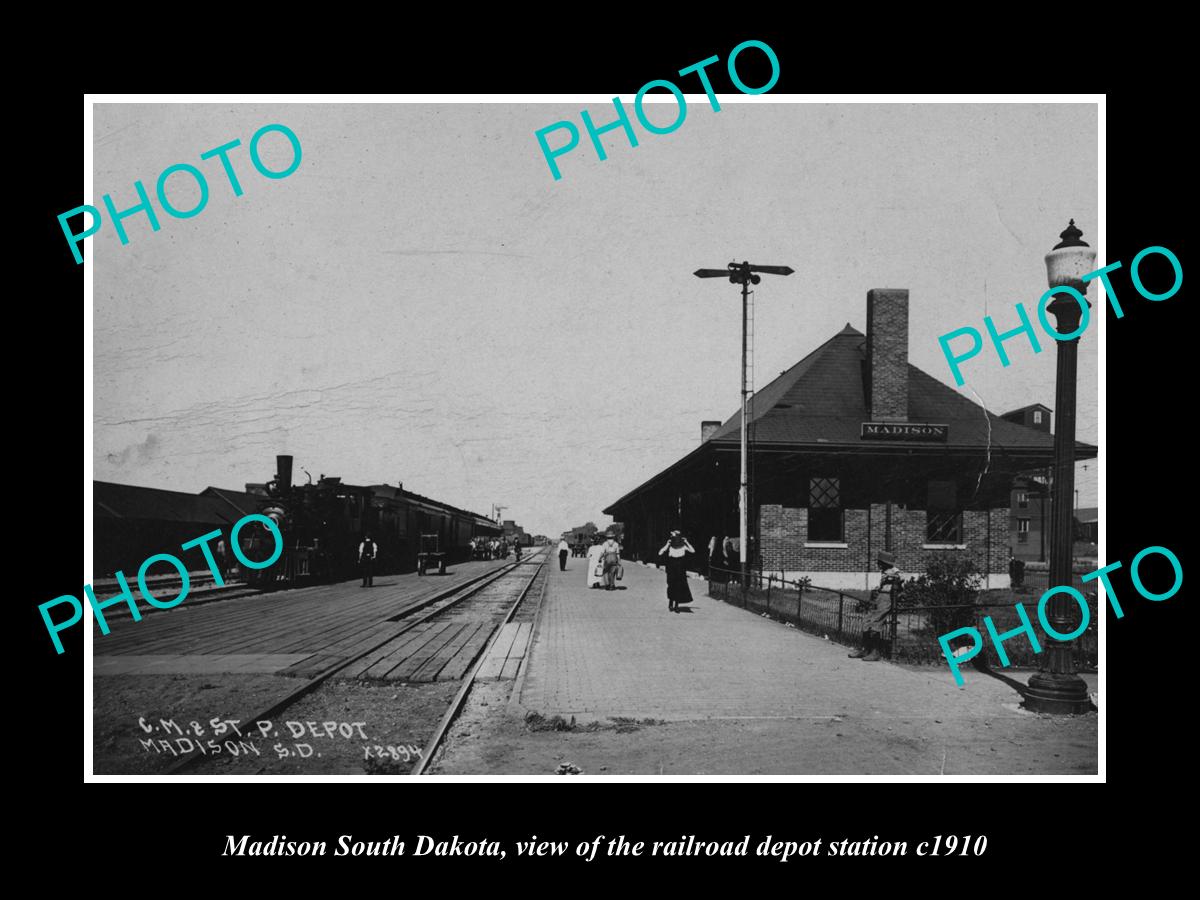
pixel 210 664
pixel 298 632
pixel 507 653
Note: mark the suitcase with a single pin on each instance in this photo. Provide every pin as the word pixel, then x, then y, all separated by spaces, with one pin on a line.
pixel 620 572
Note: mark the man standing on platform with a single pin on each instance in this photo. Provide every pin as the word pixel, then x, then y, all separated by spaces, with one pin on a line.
pixel 563 549
pixel 366 559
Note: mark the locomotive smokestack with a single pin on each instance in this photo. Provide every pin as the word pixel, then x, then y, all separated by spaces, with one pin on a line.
pixel 283 471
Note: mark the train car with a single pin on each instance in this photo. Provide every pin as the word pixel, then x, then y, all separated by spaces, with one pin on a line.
pixel 322 525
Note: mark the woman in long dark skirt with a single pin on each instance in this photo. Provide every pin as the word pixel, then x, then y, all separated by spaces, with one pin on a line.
pixel 676 550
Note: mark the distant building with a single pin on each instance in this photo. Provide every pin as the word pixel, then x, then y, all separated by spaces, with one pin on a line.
pixel 1036 415
pixel 1029 519
pixel 853 451
pixel 512 531
pixel 1087 525
pixel 132 523
pixel 581 533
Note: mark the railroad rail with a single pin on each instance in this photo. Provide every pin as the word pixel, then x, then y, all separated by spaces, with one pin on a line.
pixel 422 612
pixel 460 698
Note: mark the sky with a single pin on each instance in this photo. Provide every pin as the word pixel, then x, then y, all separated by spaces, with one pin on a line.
pixel 421 302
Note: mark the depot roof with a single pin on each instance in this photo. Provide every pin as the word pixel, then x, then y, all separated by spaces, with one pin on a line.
pixel 821 403
pixel 822 400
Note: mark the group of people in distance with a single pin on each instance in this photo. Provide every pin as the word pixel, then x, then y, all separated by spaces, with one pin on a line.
pixel 724 557
pixel 603 560
pixel 479 548
pixel 604 570
pixel 493 548
pixel 604 565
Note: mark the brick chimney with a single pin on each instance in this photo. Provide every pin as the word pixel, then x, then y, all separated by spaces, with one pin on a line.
pixel 887 354
pixel 707 429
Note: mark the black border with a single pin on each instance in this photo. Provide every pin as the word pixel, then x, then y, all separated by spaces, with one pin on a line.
pixel 1145 684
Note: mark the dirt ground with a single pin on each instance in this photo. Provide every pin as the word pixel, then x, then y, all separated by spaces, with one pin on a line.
pixel 355 728
pixel 496 738
pixel 190 701
pixel 394 721
pixel 343 728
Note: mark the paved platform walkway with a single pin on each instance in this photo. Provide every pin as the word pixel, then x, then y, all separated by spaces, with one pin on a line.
pixel 599 654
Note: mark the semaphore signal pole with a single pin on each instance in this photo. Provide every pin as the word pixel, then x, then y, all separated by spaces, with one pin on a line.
pixel 743 273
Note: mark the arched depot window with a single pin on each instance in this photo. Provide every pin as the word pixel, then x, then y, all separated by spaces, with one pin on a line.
pixel 825 510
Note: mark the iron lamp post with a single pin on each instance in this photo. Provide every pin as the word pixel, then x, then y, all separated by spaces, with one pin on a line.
pixel 1056 687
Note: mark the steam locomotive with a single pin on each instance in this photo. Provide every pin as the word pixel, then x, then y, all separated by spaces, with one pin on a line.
pixel 323 523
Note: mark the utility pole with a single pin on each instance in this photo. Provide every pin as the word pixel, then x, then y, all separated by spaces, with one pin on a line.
pixel 743 274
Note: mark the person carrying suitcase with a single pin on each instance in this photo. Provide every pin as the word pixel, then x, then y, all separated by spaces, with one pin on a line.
pixel 610 555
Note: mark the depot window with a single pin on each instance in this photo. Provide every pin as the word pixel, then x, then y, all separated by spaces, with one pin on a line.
pixel 943 518
pixel 1022 499
pixel 825 510
pixel 1022 531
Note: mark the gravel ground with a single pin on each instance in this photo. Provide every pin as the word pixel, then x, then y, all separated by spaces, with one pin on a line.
pixel 356 728
pixel 380 730
pixel 119 701
pixel 495 739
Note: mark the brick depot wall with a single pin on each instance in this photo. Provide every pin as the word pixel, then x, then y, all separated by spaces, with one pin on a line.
pixel 1000 544
pixel 784 531
pixel 975 535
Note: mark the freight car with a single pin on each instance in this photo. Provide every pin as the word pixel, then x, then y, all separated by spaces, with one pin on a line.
pixel 323 523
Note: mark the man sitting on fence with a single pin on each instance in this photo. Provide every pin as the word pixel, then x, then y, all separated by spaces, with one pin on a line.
pixel 878 622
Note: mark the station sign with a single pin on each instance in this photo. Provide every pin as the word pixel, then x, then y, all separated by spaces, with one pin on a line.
pixel 905 431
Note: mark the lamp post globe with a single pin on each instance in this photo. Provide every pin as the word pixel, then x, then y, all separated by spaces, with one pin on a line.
pixel 1070 259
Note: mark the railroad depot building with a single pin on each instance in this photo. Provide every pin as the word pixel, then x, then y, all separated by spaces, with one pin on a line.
pixel 852 451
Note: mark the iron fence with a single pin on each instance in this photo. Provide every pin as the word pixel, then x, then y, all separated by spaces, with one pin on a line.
pixel 826 612
pixel 915 634
pixel 910 632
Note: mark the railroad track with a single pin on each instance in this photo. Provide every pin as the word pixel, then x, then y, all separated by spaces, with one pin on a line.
pixel 460 698
pixel 203 589
pixel 475 615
